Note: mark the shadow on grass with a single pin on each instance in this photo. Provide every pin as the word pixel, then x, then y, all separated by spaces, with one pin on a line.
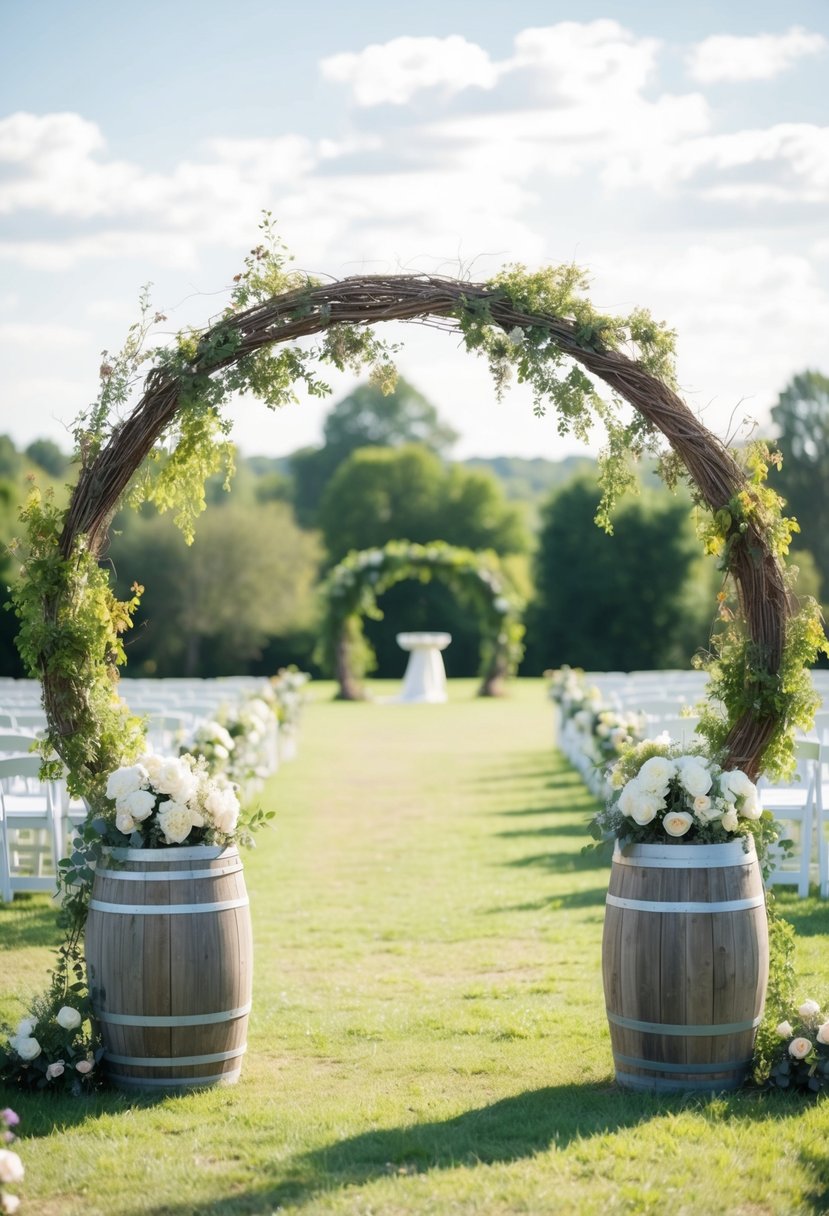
pixel 562 863
pixel 817 1163
pixel 512 1129
pixel 43 1113
pixel 28 921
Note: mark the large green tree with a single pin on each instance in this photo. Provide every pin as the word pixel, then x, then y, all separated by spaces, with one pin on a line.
pixel 211 608
pixel 801 416
pixel 367 417
pixel 642 598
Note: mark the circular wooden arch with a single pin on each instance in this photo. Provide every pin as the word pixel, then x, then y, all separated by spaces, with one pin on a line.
pixel 757 572
pixel 351 589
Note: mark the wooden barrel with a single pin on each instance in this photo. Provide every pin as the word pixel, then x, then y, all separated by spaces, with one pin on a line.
pixel 169 958
pixel 685 962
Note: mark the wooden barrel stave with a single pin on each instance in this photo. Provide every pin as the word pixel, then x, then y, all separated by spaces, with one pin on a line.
pixel 177 1017
pixel 670 975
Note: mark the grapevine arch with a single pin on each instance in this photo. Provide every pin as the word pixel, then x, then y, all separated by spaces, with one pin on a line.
pixel 508 314
pixel 351 590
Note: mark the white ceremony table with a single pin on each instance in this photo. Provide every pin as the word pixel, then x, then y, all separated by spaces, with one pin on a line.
pixel 425 678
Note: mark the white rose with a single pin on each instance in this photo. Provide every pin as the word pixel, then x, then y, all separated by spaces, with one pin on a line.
pixel 55 1070
pixel 705 810
pixel 823 1033
pixel 68 1018
pixel 152 763
pixel 730 822
pixel 124 822
pixel 9 1204
pixel 655 773
pixel 809 1011
pixel 140 804
pixel 26 1047
pixel 630 796
pixel 799 1048
pixel 175 820
pixel 695 779
pixel 739 788
pixel 222 806
pixel 785 1030
pixel 126 780
pixel 25 1027
pixel 175 778
pixel 677 823
pixel 11 1167
pixel 646 809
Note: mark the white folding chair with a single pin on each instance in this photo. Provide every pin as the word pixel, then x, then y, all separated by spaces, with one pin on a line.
pixel 797 804
pixel 29 812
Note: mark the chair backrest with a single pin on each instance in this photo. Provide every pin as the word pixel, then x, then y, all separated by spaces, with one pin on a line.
pixel 809 754
pixel 20 766
pixel 13 741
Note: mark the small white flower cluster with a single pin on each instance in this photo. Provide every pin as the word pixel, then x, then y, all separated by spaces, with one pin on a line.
pixel 685 791
pixel 214 742
pixel 617 729
pixel 11 1167
pixel 28 1046
pixel 800 1046
pixel 174 794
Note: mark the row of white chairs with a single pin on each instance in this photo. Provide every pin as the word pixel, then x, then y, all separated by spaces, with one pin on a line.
pixel 800 805
pixel 38 819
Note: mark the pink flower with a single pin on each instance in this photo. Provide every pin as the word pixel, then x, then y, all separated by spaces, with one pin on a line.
pixel 55 1070
pixel 823 1033
pixel 800 1048
pixel 9 1117
pixel 84 1067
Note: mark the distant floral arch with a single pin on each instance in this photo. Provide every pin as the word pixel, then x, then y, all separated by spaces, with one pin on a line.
pixel 351 590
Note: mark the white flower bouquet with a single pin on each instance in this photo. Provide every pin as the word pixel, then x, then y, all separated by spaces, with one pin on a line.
pixel 161 801
pixel 661 792
pixel 53 1048
pixel 794 1054
pixel 615 730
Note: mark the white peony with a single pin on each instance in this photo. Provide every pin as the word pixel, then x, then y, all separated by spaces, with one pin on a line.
pixel 175 778
pixel 677 823
pixel 647 808
pixel 823 1033
pixel 68 1018
pixel 26 1047
pixel 737 787
pixel 785 1030
pixel 11 1167
pixel 140 804
pixel 694 778
pixel 809 1011
pixel 124 822
pixel 630 796
pixel 222 806
pixel 126 780
pixel 175 820
pixel 655 773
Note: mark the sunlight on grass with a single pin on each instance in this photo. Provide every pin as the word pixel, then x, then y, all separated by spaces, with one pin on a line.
pixel 428 1032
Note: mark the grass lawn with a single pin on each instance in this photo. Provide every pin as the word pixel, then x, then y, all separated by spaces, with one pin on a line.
pixel 428 1032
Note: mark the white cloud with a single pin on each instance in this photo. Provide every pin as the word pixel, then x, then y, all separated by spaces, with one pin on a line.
pixel 724 57
pixel 574 61
pixel 394 71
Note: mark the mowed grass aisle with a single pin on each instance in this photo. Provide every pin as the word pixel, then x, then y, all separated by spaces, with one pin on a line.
pixel 428 1032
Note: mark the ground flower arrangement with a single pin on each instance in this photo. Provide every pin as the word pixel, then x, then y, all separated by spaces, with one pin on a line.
pixel 53 1048
pixel 663 792
pixel 794 1054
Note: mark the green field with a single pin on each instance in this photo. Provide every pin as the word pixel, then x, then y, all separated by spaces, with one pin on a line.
pixel 428 1032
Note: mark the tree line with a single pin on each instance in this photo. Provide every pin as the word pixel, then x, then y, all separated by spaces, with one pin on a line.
pixel 242 596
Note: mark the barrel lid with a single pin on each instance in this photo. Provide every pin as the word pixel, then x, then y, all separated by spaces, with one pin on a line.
pixel 193 852
pixel 739 851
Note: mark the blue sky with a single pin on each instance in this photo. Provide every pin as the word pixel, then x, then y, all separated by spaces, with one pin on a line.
pixel 681 157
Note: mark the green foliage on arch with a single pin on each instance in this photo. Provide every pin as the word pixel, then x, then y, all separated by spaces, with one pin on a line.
pixel 352 589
